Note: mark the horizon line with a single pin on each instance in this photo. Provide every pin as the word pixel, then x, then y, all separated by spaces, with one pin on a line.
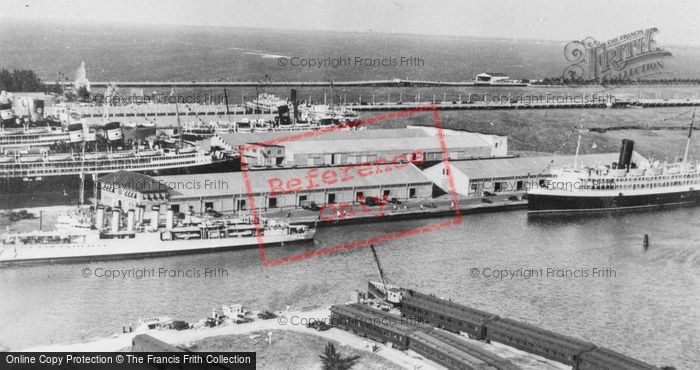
pixel 286 29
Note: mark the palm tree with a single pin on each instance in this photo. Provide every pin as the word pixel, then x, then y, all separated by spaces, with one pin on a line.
pixel 332 360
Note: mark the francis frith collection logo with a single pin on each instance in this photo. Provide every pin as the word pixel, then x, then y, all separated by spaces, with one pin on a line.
pixel 630 56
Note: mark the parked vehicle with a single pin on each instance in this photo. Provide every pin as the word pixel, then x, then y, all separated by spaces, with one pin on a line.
pixel 318 325
pixel 311 206
pixel 373 201
pixel 266 315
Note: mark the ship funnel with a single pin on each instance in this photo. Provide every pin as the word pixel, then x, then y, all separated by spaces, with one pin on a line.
pixel 155 215
pixel 283 115
pixel 6 112
pixel 295 105
pixel 116 218
pixel 99 217
pixel 37 109
pixel 140 210
pixel 130 217
pixel 625 154
pixel 169 218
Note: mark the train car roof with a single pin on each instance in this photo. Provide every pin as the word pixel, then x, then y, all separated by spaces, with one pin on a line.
pixel 359 313
pixel 447 348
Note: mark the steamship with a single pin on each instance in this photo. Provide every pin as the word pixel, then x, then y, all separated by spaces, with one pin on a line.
pixel 266 103
pixel 87 236
pixel 50 159
pixel 622 185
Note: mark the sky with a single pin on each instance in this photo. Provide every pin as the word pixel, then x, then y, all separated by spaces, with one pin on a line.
pixel 559 20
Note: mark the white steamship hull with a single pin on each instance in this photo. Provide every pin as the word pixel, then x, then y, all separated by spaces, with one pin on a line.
pixel 140 245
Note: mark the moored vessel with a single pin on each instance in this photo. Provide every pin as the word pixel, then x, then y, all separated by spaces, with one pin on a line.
pixel 141 235
pixel 621 185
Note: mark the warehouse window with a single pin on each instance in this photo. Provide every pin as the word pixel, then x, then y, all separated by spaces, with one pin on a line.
pixel 302 199
pixel 272 203
pixel 412 192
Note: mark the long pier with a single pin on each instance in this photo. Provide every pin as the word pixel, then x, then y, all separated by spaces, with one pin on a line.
pixel 160 111
pixel 365 83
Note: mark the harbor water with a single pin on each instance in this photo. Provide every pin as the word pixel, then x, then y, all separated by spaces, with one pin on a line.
pixel 588 277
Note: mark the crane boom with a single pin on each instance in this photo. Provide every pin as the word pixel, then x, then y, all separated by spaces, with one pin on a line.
pixel 379 265
pixel 687 144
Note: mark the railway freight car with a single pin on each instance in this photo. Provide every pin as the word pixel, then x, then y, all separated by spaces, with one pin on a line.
pixel 482 354
pixel 605 359
pixel 445 314
pixel 444 353
pixel 371 324
pixel 536 340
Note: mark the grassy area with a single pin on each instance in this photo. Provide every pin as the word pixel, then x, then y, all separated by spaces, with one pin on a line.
pixel 289 350
pixel 556 130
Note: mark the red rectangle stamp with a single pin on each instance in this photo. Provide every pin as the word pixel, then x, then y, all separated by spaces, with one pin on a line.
pixel 375 170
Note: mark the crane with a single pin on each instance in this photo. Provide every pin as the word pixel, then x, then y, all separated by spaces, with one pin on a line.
pixel 389 293
pixel 379 265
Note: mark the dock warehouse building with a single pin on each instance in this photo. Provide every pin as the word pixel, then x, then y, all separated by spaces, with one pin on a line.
pixel 129 190
pixel 508 175
pixel 357 146
pixel 290 188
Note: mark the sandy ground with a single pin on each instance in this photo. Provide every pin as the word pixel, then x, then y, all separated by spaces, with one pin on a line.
pixel 286 349
pixel 190 337
pixel 210 338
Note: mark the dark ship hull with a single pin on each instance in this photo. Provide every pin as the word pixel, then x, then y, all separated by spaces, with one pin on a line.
pixel 545 203
pixel 69 185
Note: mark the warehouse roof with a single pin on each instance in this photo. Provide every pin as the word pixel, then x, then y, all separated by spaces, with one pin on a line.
pixel 524 166
pixel 385 144
pixel 132 181
pixel 238 139
pixel 222 184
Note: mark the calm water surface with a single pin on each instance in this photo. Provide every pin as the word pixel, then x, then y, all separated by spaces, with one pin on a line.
pixel 647 309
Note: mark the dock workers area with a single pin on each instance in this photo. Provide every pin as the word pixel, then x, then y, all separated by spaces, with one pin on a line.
pixel 315 181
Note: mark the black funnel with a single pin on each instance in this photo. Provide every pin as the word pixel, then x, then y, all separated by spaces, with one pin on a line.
pixel 295 104
pixel 625 154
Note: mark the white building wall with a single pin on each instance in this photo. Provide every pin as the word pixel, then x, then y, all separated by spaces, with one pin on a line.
pixel 498 144
pixel 439 174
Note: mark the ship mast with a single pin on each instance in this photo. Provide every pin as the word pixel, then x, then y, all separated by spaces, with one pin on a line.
pixel 228 114
pixel 179 126
pixel 331 93
pixel 578 147
pixel 687 144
